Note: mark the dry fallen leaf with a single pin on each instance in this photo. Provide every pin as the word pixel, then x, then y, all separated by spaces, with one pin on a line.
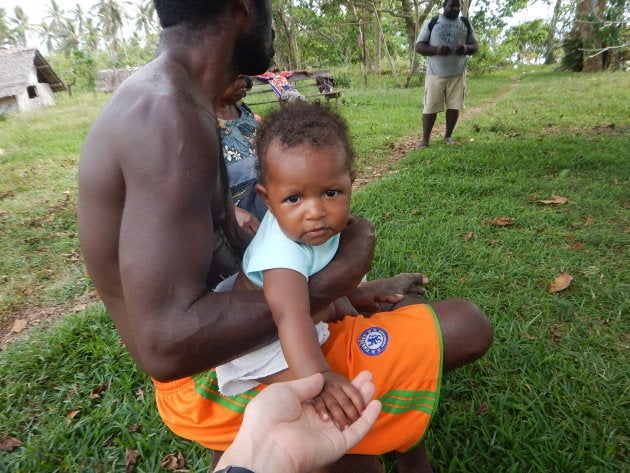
pixel 72 414
pixel 8 444
pixel 19 325
pixel 560 283
pixel 96 392
pixel 131 458
pixel 483 408
pixel 554 200
pixel 499 221
pixel 556 333
pixel 528 336
pixel 173 461
pixel 469 236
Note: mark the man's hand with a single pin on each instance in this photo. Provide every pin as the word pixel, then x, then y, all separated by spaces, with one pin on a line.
pixel 246 220
pixel 461 50
pixel 351 262
pixel 383 294
pixel 282 432
pixel 442 50
pixel 358 237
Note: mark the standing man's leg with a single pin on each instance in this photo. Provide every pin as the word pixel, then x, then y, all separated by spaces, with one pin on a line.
pixel 428 120
pixel 451 120
pixel 455 94
pixel 466 336
pixel 433 103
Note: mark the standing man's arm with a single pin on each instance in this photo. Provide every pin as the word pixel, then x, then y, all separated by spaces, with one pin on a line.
pixel 471 46
pixel 426 49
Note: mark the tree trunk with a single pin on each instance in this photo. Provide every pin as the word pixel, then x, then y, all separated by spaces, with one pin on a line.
pixel 379 30
pixel 362 44
pixel 586 14
pixel 410 25
pixel 549 45
pixel 377 69
pixel 414 56
pixel 465 8
pixel 289 52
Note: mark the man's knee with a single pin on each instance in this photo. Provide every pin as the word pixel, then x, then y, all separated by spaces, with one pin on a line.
pixel 466 332
pixel 480 329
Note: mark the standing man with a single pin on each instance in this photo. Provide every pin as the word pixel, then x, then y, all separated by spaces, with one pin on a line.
pixel 446 40
pixel 158 231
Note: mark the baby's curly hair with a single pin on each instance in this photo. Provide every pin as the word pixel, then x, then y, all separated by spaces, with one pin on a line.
pixel 300 122
pixel 193 12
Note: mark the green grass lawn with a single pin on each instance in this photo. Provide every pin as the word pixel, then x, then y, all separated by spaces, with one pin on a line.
pixel 551 395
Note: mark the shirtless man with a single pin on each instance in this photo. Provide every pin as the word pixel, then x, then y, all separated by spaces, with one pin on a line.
pixel 158 231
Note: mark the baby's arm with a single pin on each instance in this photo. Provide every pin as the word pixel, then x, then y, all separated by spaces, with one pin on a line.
pixel 286 292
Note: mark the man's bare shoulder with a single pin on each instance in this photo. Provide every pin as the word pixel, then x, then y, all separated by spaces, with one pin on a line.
pixel 152 112
pixel 148 97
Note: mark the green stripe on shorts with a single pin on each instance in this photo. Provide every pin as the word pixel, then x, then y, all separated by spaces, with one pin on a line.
pixel 207 387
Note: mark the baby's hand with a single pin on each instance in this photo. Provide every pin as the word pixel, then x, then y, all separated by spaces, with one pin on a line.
pixel 339 400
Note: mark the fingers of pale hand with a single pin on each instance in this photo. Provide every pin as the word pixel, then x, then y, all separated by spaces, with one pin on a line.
pixel 305 388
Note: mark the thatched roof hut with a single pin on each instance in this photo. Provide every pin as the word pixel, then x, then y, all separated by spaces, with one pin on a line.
pixel 27 81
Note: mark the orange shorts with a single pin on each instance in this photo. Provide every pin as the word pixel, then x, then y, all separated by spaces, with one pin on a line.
pixel 402 350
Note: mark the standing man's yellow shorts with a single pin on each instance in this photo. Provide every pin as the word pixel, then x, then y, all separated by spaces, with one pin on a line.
pixel 442 93
pixel 402 349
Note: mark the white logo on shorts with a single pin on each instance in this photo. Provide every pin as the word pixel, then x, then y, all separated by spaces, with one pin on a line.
pixel 373 341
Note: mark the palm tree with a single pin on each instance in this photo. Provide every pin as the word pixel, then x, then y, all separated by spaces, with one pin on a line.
pixel 145 19
pixel 111 16
pixel 79 19
pixel 54 16
pixel 68 37
pixel 20 26
pixel 4 27
pixel 48 35
pixel 90 35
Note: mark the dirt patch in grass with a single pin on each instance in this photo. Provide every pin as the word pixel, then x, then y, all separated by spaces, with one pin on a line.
pixel 29 317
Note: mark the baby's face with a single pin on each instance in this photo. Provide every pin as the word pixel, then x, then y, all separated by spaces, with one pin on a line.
pixel 308 190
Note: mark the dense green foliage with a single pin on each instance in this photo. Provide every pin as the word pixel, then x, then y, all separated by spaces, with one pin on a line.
pixel 550 395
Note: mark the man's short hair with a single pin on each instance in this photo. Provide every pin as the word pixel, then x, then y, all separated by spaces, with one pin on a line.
pixel 194 12
pixel 297 123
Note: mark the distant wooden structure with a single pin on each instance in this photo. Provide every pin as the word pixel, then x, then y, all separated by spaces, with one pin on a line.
pixel 110 79
pixel 27 81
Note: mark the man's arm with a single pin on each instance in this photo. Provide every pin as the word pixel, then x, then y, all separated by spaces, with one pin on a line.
pixel 170 320
pixel 424 48
pixel 352 261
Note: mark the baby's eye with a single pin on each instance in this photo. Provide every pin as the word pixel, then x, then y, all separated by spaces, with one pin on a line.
pixel 332 193
pixel 293 199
